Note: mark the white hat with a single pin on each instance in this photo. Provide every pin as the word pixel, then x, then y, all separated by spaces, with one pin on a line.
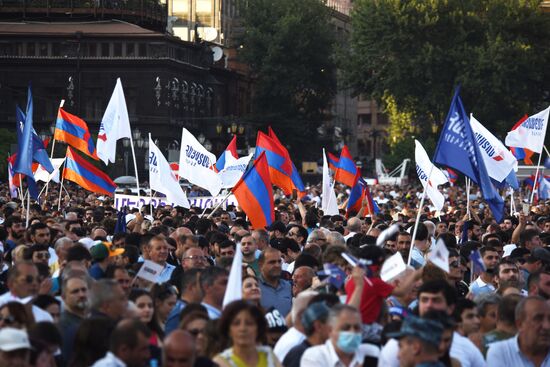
pixel 13 339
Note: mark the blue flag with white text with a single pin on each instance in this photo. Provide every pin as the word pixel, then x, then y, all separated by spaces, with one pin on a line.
pixel 457 148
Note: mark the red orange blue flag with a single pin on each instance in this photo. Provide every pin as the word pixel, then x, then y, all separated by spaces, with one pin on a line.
pixel 294 175
pixel 83 173
pixel 228 155
pixel 74 131
pixel 333 161
pixel 346 172
pixel 280 168
pixel 254 193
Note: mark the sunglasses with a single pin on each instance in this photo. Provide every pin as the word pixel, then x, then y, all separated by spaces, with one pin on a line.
pixel 42 255
pixel 8 320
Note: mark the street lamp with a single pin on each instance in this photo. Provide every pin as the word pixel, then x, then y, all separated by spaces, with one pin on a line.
pixel 219 128
pixel 234 127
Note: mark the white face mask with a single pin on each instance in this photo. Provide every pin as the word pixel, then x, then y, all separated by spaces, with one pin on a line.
pixel 343 298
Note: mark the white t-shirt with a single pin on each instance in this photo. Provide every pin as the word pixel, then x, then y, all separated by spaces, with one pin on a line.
pixel 287 341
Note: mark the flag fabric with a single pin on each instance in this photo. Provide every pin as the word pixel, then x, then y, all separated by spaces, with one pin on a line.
pixel 523 153
pixel 40 174
pixel 25 149
pixel 457 148
pixel 356 197
pixel 544 188
pixel 372 206
pixel 83 173
pixel 229 155
pixel 297 182
pixel 452 176
pixel 387 234
pixel 429 175
pixel 529 133
pixel 498 160
pixel 234 289
pixel 477 262
pixel 336 276
pixel 11 183
pixel 254 193
pixel 333 161
pixel 39 153
pixel 328 199
pixel 233 171
pixel 115 125
pixel 162 179
pixel 74 131
pixel 346 172
pixel 439 256
pixel 196 164
pixel 280 169
pixel 120 226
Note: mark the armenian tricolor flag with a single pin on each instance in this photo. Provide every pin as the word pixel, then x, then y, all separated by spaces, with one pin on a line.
pixel 74 131
pixel 280 168
pixel 294 175
pixel 346 171
pixel 86 175
pixel 255 194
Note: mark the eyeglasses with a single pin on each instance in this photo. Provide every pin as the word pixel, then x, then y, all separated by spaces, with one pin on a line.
pixel 42 255
pixel 195 257
pixel 29 279
pixel 8 320
pixel 195 332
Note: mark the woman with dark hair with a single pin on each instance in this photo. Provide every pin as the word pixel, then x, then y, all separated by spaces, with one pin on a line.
pixel 164 299
pixel 91 342
pixel 145 311
pixel 243 326
pixel 16 315
pixel 198 324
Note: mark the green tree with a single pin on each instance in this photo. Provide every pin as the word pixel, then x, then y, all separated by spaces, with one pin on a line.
pixel 413 53
pixel 288 46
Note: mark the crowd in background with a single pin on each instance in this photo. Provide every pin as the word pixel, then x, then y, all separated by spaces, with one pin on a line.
pixel 69 294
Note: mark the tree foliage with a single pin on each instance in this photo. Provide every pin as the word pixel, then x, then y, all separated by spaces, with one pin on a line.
pixel 288 46
pixel 415 52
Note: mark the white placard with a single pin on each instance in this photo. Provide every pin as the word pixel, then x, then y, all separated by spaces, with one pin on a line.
pixel 392 267
pixel 150 271
pixel 131 201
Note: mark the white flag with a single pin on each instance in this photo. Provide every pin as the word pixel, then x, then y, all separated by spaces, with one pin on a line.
pixel 234 289
pixel 392 267
pixel 162 179
pixel 149 271
pixel 42 175
pixel 440 255
pixel 114 125
pixel 529 133
pixel 328 203
pixel 196 162
pixel 429 175
pixel 233 170
pixel 499 161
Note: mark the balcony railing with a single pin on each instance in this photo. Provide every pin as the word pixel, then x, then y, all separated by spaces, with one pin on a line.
pixel 151 9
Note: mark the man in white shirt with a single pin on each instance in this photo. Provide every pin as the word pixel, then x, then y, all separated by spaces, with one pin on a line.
pixel 23 283
pixel 129 346
pixel 343 348
pixel 158 253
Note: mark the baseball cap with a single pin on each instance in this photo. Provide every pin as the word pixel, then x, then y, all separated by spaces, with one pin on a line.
pixel 102 250
pixel 426 330
pixel 13 339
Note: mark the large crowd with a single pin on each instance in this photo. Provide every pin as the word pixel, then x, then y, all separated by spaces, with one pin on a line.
pixel 70 294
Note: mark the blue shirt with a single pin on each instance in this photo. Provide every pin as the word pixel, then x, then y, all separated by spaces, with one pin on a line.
pixel 507 353
pixel 166 273
pixel 96 272
pixel 213 312
pixel 279 298
pixel 173 320
pixel 478 287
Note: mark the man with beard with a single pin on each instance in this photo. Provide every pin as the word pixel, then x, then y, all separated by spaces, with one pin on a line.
pixel 507 272
pixel 74 293
pixel 484 283
pixel 474 230
pixel 248 248
pixel 531 345
pixel 15 228
pixel 538 283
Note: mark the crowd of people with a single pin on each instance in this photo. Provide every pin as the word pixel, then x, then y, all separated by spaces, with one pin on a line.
pixel 70 295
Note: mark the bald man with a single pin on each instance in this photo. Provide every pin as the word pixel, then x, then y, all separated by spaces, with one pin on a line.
pixel 302 279
pixel 179 350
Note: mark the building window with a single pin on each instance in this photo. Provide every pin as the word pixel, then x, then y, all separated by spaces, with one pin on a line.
pixel 56 49
pixel 130 50
pixel 92 50
pixel 43 49
pixel 364 119
pixel 205 11
pixel 105 50
pixel 117 49
pixel 142 50
pixel 31 49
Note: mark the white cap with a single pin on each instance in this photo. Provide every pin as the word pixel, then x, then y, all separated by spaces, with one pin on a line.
pixel 13 339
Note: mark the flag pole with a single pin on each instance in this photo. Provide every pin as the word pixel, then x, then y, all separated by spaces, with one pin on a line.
pixel 28 207
pixel 511 202
pixel 53 144
pixel 418 217
pixel 135 167
pixel 21 189
pixel 150 189
pixel 536 179
pixel 62 179
pixel 468 197
pixel 218 206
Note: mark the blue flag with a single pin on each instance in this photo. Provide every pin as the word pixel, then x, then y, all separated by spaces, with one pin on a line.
pixel 457 148
pixel 23 161
pixel 336 275
pixel 477 262
pixel 39 154
pixel 120 226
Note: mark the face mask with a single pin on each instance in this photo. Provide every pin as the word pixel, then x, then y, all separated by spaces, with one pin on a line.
pixel 348 342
